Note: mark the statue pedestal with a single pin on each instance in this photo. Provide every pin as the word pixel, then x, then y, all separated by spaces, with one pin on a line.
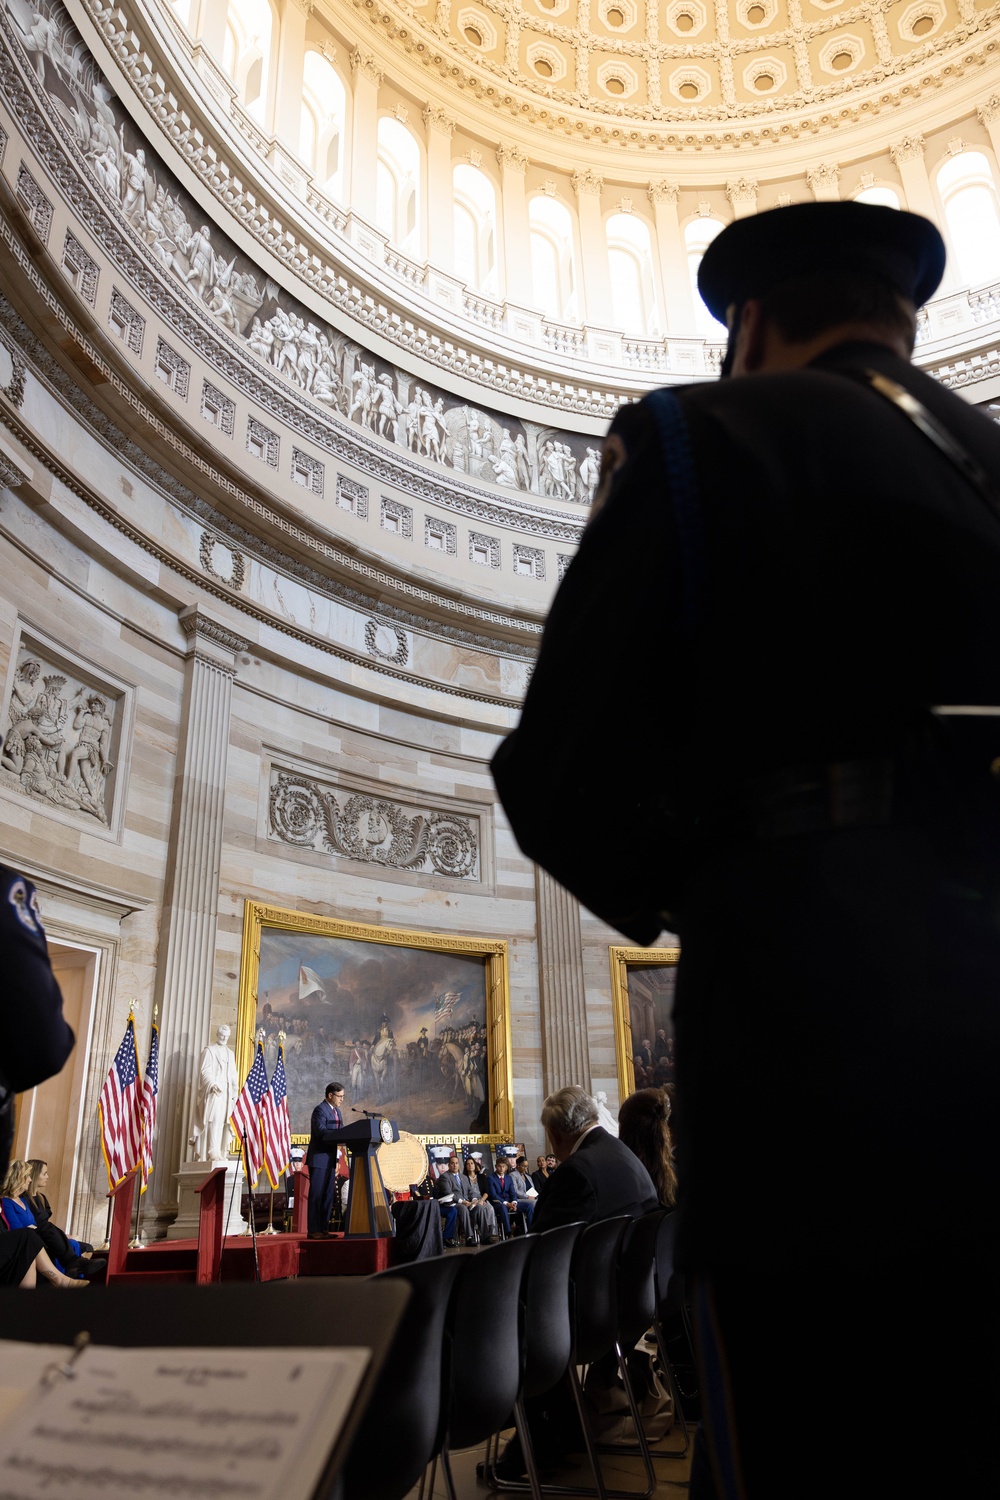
pixel 190 1176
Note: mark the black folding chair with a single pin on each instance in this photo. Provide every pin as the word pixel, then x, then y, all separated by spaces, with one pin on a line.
pixel 547 1340
pixel 407 1400
pixel 483 1373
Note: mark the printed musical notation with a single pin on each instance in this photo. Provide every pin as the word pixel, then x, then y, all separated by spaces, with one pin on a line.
pixel 258 1423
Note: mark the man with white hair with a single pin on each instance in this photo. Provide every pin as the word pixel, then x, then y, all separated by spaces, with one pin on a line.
pixel 598 1177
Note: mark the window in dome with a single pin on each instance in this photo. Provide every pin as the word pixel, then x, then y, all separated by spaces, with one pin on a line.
pixel 552 253
pixel 397 185
pixel 247 52
pixel 630 258
pixel 475 216
pixel 543 67
pixel 325 99
pixel 882 197
pixel 688 91
pixel 698 235
pixel 614 85
pixel 684 21
pixel 473 36
pixel 972 214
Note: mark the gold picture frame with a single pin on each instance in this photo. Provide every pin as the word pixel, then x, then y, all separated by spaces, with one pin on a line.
pixel 340 948
pixel 622 960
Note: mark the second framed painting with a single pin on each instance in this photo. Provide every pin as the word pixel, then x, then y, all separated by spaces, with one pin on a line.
pixel 415 1025
pixel 642 992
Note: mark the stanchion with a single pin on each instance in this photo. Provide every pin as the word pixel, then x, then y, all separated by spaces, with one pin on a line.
pixel 270 1217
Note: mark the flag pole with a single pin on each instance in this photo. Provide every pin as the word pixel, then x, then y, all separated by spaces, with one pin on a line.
pixel 253 1221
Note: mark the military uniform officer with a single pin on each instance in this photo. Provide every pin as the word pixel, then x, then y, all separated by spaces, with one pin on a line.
pixel 794 580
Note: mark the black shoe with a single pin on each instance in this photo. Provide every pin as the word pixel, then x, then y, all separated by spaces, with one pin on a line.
pixel 451 1244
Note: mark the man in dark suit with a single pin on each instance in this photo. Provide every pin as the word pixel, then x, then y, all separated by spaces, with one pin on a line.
pixel 811 549
pixel 321 1160
pixel 598 1177
pixel 503 1196
pixel 455 1213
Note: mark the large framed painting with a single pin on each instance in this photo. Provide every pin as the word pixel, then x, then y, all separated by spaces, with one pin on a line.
pixel 416 1026
pixel 642 992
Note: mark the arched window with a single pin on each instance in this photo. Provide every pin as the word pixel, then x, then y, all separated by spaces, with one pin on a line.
pixel 552 271
pixel 882 197
pixel 698 235
pixel 630 258
pixel 247 52
pixel 397 185
pixel 475 228
pixel 969 199
pixel 324 111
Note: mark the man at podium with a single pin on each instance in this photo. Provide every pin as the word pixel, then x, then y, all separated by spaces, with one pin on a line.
pixel 321 1160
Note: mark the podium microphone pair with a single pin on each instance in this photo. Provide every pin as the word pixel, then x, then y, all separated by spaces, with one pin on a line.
pixel 368 1114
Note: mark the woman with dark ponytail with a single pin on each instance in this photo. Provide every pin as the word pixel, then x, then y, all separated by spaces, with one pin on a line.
pixel 644 1127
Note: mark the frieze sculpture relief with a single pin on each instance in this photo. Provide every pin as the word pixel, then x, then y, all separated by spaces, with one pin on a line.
pixel 305 812
pixel 58 737
pixel 311 355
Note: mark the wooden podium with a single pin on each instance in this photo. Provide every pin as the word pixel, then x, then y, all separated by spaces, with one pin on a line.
pixel 368 1208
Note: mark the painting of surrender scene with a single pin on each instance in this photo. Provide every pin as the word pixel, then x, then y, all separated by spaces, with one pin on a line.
pixel 414 1025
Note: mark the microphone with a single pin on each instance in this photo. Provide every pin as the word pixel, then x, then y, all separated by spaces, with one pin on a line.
pixel 368 1114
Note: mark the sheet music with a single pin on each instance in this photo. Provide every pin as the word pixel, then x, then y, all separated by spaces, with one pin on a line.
pixel 252 1424
pixel 22 1367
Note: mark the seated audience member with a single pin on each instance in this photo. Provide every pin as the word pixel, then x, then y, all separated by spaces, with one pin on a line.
pixel 541 1173
pixel 75 1257
pixel 521 1178
pixel 504 1199
pixel 36 1040
pixel 23 1258
pixel 598 1177
pixel 644 1127
pixel 454 1209
pixel 481 1211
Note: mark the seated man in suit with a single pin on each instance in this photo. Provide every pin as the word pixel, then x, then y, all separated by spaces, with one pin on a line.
pixel 504 1197
pixel 598 1178
pixel 454 1212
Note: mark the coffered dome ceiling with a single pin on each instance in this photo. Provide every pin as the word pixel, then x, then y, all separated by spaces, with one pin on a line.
pixel 651 74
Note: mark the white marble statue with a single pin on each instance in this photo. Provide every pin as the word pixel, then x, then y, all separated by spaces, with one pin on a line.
pixel 604 1115
pixel 218 1087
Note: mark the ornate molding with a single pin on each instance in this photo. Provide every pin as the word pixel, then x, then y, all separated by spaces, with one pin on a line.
pixel 396 649
pixel 366 63
pixel 309 813
pixel 663 191
pixel 909 148
pixel 990 110
pixel 824 177
pixel 10 475
pixel 587 183
pixel 197 625
pixel 512 157
pixel 439 120
pixel 742 190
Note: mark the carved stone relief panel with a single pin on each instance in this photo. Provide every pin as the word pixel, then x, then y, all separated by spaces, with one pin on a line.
pixel 310 812
pixel 65 732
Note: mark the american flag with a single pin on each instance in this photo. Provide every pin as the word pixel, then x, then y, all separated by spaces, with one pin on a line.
pixel 274 1119
pixel 120 1108
pixel 246 1116
pixel 150 1088
pixel 446 1003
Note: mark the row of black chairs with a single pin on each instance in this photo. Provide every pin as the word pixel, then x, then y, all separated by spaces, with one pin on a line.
pixel 485 1333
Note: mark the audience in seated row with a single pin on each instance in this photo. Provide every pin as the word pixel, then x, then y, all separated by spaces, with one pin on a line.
pixel 505 1198
pixel 25 1206
pixel 465 1207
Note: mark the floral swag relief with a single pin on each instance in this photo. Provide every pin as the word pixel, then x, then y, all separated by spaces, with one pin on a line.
pixel 310 815
pixel 58 738
pixel 321 362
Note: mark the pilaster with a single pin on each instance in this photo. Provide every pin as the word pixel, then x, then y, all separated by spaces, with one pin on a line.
pixel 678 298
pixel 516 234
pixel 190 910
pixel 366 78
pixel 440 128
pixel 561 988
pixel 594 249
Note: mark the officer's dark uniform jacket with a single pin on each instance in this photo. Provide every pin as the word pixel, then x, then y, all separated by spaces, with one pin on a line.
pixel 829 579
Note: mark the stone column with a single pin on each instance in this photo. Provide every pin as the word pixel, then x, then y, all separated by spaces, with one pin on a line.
pixel 291 62
pixel 190 910
pixel 825 182
pixel 367 78
pixel 742 195
pixel 516 234
pixel 440 190
pixel 678 296
pixel 209 26
pixel 918 195
pixel 561 993
pixel 594 248
pixel 989 115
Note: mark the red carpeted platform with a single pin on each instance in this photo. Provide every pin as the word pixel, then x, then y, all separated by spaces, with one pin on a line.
pixel 279 1256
